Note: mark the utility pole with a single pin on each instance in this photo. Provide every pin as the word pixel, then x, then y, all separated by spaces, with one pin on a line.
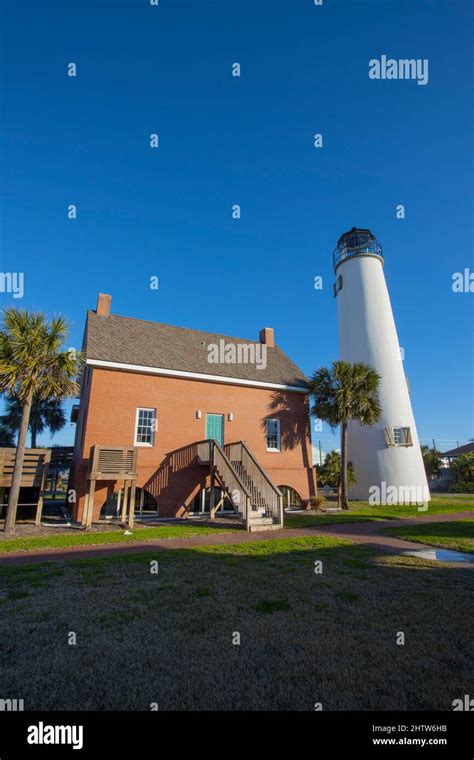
pixel 434 444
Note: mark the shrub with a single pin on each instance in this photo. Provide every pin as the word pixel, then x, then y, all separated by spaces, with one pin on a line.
pixel 462 471
pixel 462 486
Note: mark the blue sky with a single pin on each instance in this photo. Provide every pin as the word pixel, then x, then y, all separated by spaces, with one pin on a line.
pixel 225 140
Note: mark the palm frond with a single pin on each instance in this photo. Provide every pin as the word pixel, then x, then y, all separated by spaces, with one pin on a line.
pixel 32 362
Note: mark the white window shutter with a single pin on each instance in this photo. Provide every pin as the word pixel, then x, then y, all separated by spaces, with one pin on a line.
pixel 389 436
pixel 408 438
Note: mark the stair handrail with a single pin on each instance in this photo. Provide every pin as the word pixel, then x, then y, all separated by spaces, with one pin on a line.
pixel 270 492
pixel 264 473
pixel 216 447
pixel 230 465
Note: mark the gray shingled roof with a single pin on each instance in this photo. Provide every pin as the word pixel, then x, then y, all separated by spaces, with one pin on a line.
pixel 457 452
pixel 152 344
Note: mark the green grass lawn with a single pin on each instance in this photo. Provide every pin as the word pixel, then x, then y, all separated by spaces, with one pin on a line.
pixel 458 535
pixel 171 637
pixel 361 511
pixel 93 538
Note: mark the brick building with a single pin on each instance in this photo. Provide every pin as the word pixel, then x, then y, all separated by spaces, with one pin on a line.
pixel 159 394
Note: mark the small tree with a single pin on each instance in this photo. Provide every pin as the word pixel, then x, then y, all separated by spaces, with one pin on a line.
pixel 342 393
pixel 45 414
pixel 330 472
pixel 462 471
pixel 432 461
pixel 33 366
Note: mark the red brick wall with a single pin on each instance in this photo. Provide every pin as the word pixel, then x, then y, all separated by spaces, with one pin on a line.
pixel 114 397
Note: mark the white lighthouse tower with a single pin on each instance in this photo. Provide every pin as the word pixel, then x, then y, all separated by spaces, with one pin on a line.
pixel 386 456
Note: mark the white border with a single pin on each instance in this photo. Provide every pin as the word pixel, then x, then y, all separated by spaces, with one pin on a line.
pixel 192 375
pixel 141 443
pixel 273 419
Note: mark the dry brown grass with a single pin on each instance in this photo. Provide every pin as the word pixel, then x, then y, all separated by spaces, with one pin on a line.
pixel 305 638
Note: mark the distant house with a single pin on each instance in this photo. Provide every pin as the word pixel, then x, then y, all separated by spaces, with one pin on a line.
pixel 444 478
pixel 184 422
pixel 468 448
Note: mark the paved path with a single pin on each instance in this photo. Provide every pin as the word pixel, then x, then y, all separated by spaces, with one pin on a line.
pixel 358 532
pixel 368 533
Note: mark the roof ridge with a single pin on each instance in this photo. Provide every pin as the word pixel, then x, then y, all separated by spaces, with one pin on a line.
pixel 179 327
pixel 133 341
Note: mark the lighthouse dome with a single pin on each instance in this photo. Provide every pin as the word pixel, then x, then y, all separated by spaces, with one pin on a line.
pixel 356 242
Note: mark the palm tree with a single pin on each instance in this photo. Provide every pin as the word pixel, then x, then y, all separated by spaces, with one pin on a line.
pixel 45 413
pixel 33 366
pixel 330 473
pixel 342 393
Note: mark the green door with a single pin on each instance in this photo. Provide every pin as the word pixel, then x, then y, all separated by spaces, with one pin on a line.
pixel 215 427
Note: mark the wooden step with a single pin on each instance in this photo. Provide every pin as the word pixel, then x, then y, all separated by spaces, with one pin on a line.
pixel 256 525
pixel 258 508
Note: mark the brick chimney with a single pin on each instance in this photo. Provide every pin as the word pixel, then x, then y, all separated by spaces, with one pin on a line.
pixel 103 304
pixel 267 337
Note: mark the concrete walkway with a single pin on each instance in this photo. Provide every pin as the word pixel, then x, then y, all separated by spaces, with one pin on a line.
pixel 357 532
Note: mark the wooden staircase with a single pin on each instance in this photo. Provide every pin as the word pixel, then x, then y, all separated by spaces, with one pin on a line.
pixel 258 502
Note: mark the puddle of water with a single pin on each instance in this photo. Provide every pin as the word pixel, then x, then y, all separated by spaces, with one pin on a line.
pixel 442 555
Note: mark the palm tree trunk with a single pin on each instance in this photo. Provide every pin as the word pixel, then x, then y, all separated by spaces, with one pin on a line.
pixel 16 480
pixel 343 497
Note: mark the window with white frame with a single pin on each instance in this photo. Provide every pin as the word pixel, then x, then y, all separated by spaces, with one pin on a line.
pixel 398 436
pixel 145 426
pixel 273 434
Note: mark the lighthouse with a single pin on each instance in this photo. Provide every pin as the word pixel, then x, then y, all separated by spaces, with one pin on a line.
pixel 386 457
